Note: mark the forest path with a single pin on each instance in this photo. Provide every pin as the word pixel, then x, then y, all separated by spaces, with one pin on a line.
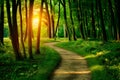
pixel 72 66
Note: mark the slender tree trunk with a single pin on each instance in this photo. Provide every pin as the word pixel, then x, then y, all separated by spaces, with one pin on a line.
pixel 21 29
pixel 26 15
pixel 93 21
pixel 57 21
pixel 31 3
pixel 83 15
pixel 52 18
pixel 9 17
pixel 2 22
pixel 117 5
pixel 65 18
pixel 102 21
pixel 71 17
pixel 79 16
pixel 49 22
pixel 112 20
pixel 97 20
pixel 39 28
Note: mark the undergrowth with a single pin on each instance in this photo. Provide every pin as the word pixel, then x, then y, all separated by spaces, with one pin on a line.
pixel 103 58
pixel 40 68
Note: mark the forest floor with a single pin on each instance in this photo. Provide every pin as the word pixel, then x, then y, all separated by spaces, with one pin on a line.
pixel 72 66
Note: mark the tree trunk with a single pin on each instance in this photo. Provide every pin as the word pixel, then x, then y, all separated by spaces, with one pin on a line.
pixel 13 28
pixel 83 16
pixel 113 27
pixel 97 20
pixel 71 17
pixel 52 19
pixel 21 29
pixel 9 17
pixel 39 28
pixel 57 22
pixel 65 18
pixel 102 21
pixel 2 22
pixel 31 3
pixel 26 15
pixel 117 5
pixel 79 16
pixel 93 22
pixel 49 22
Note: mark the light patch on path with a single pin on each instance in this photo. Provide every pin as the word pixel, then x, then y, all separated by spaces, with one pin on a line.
pixel 72 66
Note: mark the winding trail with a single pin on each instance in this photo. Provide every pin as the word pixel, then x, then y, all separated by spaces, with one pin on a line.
pixel 72 67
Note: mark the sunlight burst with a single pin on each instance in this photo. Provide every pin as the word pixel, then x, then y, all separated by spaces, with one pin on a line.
pixel 35 22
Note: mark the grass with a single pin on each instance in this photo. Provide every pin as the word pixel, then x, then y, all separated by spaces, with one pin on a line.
pixel 46 40
pixel 103 58
pixel 38 69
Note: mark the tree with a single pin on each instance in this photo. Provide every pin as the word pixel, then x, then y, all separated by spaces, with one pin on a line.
pixel 1 21
pixel 71 17
pixel 52 19
pixel 12 22
pixel 39 28
pixel 66 22
pixel 80 20
pixel 31 3
pixel 48 17
pixel 102 21
pixel 21 29
pixel 117 6
pixel 26 16
pixel 93 21
pixel 57 25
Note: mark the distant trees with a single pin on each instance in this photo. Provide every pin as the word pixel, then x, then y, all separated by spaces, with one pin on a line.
pixel 95 20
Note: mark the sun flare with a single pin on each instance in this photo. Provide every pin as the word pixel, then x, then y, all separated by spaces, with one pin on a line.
pixel 35 22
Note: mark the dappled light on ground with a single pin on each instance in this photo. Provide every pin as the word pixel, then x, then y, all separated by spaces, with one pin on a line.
pixel 72 72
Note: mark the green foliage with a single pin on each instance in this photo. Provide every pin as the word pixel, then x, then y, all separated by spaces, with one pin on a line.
pixel 6 31
pixel 103 58
pixel 38 69
pixel 60 31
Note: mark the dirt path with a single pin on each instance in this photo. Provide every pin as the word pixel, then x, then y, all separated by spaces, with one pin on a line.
pixel 72 67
